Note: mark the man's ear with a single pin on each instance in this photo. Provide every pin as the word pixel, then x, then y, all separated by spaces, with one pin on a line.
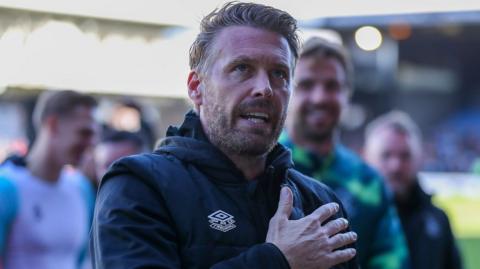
pixel 51 123
pixel 195 88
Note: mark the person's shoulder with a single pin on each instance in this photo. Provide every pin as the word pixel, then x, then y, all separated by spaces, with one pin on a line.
pixel 139 180
pixel 354 170
pixel 362 180
pixel 147 167
pixel 438 213
pixel 8 168
pixel 9 197
pixel 145 162
pixel 436 220
pixel 17 174
pixel 353 162
pixel 7 186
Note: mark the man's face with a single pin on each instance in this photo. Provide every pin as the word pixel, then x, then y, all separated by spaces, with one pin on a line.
pixel 74 134
pixel 319 96
pixel 107 153
pixel 392 153
pixel 246 89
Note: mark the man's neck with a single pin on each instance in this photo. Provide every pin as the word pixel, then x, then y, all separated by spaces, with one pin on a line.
pixel 41 165
pixel 251 166
pixel 407 195
pixel 321 147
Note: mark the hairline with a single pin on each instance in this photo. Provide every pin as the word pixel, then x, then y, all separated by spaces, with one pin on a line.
pixel 318 56
pixel 398 125
pixel 205 68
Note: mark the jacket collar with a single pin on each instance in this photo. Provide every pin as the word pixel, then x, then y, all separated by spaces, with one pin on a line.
pixel 417 198
pixel 307 160
pixel 190 144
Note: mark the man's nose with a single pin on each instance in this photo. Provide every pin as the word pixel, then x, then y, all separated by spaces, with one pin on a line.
pixel 262 86
pixel 394 164
pixel 318 94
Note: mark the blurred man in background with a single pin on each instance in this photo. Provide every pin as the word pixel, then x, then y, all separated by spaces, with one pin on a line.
pixel 323 86
pixel 45 214
pixel 115 145
pixel 393 146
pixel 112 146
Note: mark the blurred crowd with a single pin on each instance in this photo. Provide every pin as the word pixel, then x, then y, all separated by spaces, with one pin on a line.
pixel 454 145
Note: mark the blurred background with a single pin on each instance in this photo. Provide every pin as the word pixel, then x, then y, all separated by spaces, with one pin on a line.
pixel 421 58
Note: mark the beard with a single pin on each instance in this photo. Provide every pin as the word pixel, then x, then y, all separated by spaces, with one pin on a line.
pixel 316 134
pixel 310 134
pixel 220 128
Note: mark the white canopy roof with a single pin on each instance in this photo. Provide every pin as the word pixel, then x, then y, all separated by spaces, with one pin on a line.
pixel 188 13
pixel 62 53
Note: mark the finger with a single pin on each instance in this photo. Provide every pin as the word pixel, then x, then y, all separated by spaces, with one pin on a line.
pixel 285 203
pixel 335 226
pixel 341 256
pixel 325 211
pixel 344 239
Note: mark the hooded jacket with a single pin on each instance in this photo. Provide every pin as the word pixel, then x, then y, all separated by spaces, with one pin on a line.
pixel 428 232
pixel 187 205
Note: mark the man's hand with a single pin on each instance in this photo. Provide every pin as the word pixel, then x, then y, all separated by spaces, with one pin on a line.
pixel 309 242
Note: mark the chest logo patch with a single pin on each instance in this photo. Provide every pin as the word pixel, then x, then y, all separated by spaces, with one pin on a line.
pixel 222 221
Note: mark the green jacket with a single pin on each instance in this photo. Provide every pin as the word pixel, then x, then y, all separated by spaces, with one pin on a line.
pixel 381 243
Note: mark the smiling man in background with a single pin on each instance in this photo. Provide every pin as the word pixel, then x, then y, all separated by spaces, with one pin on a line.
pixel 323 86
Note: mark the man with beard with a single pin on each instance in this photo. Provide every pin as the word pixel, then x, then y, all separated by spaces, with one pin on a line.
pixel 323 85
pixel 219 192
pixel 393 146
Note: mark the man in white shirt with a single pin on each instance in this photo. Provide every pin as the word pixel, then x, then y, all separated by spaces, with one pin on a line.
pixel 45 211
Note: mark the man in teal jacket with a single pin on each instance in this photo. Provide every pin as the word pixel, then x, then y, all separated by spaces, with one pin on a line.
pixel 323 86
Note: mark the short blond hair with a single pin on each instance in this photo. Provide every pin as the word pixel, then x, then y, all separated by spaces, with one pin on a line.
pixel 59 103
pixel 317 47
pixel 398 121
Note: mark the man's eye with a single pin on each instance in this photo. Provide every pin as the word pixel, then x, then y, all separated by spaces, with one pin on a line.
pixel 305 85
pixel 332 85
pixel 241 68
pixel 280 74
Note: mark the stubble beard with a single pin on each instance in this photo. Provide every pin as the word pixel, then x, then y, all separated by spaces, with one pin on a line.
pixel 221 133
pixel 311 135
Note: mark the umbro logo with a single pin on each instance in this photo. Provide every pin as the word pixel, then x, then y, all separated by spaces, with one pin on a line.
pixel 222 221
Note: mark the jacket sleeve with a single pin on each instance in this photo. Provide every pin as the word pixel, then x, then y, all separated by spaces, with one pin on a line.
pixel 132 228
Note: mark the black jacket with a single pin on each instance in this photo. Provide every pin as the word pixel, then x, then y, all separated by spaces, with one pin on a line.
pixel 188 206
pixel 430 239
